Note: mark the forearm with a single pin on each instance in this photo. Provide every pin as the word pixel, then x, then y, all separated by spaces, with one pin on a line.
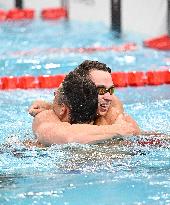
pixel 39 106
pixel 81 133
pixel 129 119
pixel 89 133
pixel 47 105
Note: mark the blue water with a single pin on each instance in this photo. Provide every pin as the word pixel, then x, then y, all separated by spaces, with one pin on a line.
pixel 102 174
pixel 30 47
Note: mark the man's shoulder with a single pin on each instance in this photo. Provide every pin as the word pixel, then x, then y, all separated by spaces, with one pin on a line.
pixel 116 103
pixel 44 113
pixel 47 116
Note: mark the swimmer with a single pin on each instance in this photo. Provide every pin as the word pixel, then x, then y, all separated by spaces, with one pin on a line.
pixel 75 101
pixel 110 113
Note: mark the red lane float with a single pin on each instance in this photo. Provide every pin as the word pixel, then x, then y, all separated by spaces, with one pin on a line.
pixel 136 78
pixel 15 14
pixel 160 43
pixel 167 76
pixel 120 79
pixel 125 47
pixel 117 48
pixel 54 13
pixel 29 13
pixel 47 81
pixel 20 14
pixel 9 82
pixel 149 142
pixel 27 82
pixel 3 15
pixel 156 77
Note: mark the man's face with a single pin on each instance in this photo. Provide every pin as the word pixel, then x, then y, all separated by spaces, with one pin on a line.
pixel 102 79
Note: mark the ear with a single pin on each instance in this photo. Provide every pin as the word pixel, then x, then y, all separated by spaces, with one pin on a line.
pixel 63 110
pixel 64 113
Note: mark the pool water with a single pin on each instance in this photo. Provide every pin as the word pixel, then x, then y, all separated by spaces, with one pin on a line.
pixel 105 173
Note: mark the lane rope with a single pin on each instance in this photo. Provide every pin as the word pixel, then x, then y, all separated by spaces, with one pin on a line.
pixel 120 79
pixel 16 14
pixel 39 51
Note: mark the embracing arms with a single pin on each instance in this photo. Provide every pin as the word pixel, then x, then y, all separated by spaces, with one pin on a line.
pixel 49 131
pixel 39 106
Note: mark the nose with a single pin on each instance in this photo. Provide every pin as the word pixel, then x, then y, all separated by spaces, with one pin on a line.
pixel 107 96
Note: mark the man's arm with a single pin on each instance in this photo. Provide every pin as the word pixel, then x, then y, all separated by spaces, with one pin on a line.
pixel 116 110
pixel 41 105
pixel 50 132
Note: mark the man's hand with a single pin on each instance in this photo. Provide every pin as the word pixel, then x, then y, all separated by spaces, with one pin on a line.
pixel 39 106
pixel 127 125
pixel 129 119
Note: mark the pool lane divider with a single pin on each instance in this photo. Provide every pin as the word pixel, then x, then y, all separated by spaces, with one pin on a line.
pixel 159 43
pixel 28 13
pixel 16 14
pixel 120 79
pixel 116 48
pixel 148 142
pixel 54 13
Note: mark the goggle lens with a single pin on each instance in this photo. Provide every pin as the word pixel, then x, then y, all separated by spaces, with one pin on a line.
pixel 102 90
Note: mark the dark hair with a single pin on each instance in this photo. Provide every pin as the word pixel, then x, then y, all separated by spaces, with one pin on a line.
pixel 81 97
pixel 84 68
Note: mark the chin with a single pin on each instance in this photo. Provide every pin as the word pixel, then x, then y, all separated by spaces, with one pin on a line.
pixel 102 113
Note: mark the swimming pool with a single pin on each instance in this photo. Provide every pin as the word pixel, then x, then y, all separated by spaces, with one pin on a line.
pixel 80 174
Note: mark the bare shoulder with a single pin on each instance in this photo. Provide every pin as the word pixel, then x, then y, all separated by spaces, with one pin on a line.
pixel 109 118
pixel 117 103
pixel 114 111
pixel 46 116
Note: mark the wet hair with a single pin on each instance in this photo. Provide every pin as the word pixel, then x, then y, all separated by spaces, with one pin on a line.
pixel 84 68
pixel 61 98
pixel 80 95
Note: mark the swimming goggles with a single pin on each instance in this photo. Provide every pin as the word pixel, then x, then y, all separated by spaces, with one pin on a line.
pixel 101 89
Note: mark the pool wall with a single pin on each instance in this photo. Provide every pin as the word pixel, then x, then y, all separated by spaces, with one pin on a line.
pixel 138 16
